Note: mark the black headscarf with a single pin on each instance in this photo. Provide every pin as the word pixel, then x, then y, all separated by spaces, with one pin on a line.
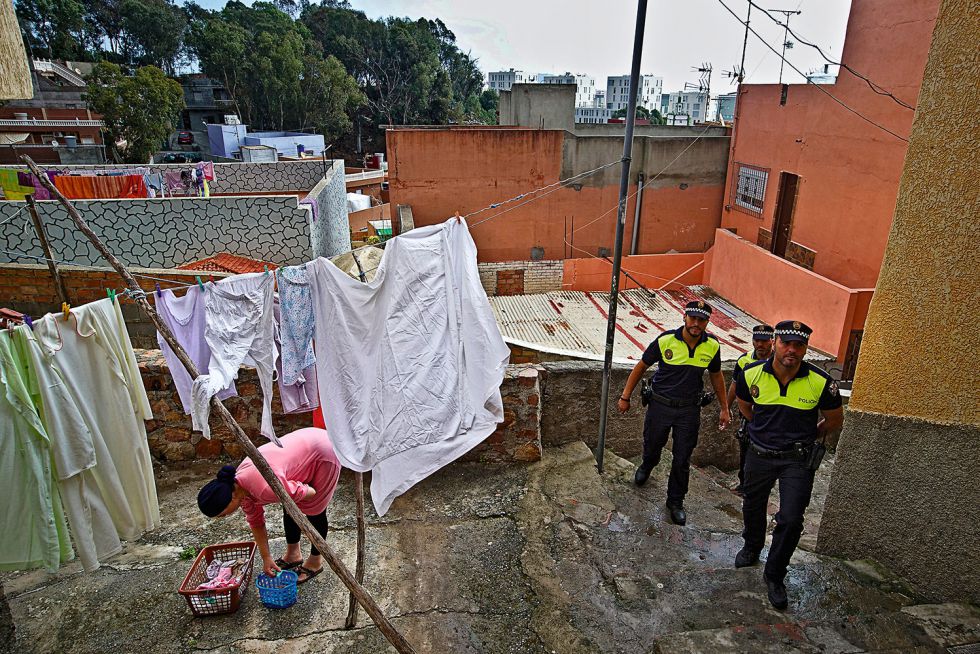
pixel 216 494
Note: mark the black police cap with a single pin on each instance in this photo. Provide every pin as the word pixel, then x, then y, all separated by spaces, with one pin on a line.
pixel 762 332
pixel 793 330
pixel 698 309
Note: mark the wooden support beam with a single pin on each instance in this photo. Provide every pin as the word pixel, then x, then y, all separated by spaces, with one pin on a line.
pixel 42 236
pixel 361 537
pixel 363 597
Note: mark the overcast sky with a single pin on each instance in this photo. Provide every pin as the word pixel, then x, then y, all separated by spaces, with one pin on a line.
pixel 596 38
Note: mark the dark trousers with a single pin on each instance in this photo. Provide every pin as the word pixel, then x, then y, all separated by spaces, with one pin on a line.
pixel 293 533
pixel 743 447
pixel 795 486
pixel 684 422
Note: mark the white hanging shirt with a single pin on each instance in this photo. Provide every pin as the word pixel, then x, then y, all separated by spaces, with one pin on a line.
pixel 94 356
pixel 409 365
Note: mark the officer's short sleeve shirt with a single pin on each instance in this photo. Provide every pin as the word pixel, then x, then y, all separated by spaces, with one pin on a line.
pixel 680 373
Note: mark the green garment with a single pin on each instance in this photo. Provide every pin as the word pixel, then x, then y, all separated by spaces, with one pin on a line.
pixel 12 188
pixel 33 531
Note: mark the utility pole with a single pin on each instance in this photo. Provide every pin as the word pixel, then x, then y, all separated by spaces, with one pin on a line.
pixel 624 182
pixel 786 42
pixel 745 42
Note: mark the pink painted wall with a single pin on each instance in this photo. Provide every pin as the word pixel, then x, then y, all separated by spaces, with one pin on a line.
pixel 849 169
pixel 652 270
pixel 773 289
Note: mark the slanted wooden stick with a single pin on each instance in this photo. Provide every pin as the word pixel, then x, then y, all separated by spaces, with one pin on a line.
pixel 359 570
pixel 363 597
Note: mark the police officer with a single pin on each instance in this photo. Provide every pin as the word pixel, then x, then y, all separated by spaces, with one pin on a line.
pixel 761 349
pixel 683 355
pixel 782 398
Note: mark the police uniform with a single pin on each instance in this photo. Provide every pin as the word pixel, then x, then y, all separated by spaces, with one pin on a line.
pixel 759 333
pixel 781 432
pixel 676 401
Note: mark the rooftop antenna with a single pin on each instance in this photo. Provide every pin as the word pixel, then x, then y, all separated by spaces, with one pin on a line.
pixel 787 44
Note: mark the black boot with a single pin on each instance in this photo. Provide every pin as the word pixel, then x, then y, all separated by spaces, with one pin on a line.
pixel 642 474
pixel 776 590
pixel 677 514
pixel 746 557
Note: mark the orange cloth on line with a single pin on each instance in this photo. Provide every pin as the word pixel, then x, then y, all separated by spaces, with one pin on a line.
pixel 76 187
pixel 92 187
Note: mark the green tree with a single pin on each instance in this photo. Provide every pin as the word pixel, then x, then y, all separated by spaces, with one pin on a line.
pixel 153 32
pixel 274 69
pixel 641 112
pixel 55 29
pixel 140 110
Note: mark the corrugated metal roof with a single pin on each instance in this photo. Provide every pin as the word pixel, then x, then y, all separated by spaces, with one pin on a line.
pixel 573 323
pixel 230 263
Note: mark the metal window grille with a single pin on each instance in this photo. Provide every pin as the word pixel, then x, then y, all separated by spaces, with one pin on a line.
pixel 750 189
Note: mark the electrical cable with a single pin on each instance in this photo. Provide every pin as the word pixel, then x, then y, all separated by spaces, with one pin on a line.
pixel 877 88
pixel 817 86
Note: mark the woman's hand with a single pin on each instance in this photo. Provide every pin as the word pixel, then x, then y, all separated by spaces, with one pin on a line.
pixel 269 566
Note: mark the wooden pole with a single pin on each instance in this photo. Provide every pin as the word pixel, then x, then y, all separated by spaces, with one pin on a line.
pixel 359 571
pixel 42 235
pixel 363 597
pixel 359 496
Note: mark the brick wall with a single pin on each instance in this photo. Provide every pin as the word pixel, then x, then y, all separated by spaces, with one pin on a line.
pixel 521 277
pixel 518 438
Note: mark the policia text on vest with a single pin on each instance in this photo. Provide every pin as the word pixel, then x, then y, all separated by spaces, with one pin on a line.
pixel 682 356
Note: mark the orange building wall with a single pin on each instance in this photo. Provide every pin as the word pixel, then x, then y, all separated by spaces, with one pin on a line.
pixel 653 271
pixel 773 289
pixel 849 169
pixel 441 172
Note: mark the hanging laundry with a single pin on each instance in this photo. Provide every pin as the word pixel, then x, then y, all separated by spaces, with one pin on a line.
pixel 155 185
pixel 84 468
pixel 93 354
pixel 409 365
pixel 185 316
pixel 301 395
pixel 206 168
pixel 40 191
pixel 296 327
pixel 11 185
pixel 32 520
pixel 240 329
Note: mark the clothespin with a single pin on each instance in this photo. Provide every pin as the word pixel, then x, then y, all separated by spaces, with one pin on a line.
pixel 66 309
pixel 111 293
pixel 29 321
pixel 159 292
pixel 458 219
pixel 199 282
pixel 266 267
pixel 211 278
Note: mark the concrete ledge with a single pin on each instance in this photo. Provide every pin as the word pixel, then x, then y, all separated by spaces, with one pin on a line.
pixel 905 492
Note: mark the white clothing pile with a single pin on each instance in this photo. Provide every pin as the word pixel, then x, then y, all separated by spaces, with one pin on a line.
pixel 410 364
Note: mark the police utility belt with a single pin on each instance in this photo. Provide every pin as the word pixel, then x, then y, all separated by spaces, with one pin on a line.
pixel 811 455
pixel 648 395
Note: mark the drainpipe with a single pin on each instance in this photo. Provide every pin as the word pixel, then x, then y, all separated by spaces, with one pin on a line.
pixel 636 215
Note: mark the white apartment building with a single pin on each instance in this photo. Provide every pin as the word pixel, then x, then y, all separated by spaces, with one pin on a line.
pixel 502 80
pixel 693 104
pixel 648 95
pixel 584 87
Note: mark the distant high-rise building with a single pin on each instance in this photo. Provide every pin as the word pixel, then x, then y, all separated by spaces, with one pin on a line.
pixel 725 109
pixel 584 87
pixel 693 104
pixel 648 95
pixel 502 80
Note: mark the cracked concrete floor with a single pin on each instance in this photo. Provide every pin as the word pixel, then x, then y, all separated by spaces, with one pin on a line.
pixel 548 557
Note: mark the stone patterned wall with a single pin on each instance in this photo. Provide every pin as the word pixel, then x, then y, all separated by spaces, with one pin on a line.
pixel 518 438
pixel 522 277
pixel 330 231
pixel 241 177
pixel 165 232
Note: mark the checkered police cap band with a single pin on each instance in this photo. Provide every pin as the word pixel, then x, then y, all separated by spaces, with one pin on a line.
pixel 792 332
pixel 700 313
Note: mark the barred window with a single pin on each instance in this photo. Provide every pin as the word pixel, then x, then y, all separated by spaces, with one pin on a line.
pixel 750 190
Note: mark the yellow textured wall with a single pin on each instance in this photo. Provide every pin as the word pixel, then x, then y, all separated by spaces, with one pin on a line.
pixel 15 78
pixel 921 345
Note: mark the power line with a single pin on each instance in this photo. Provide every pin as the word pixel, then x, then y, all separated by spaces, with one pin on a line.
pixel 809 81
pixel 877 88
